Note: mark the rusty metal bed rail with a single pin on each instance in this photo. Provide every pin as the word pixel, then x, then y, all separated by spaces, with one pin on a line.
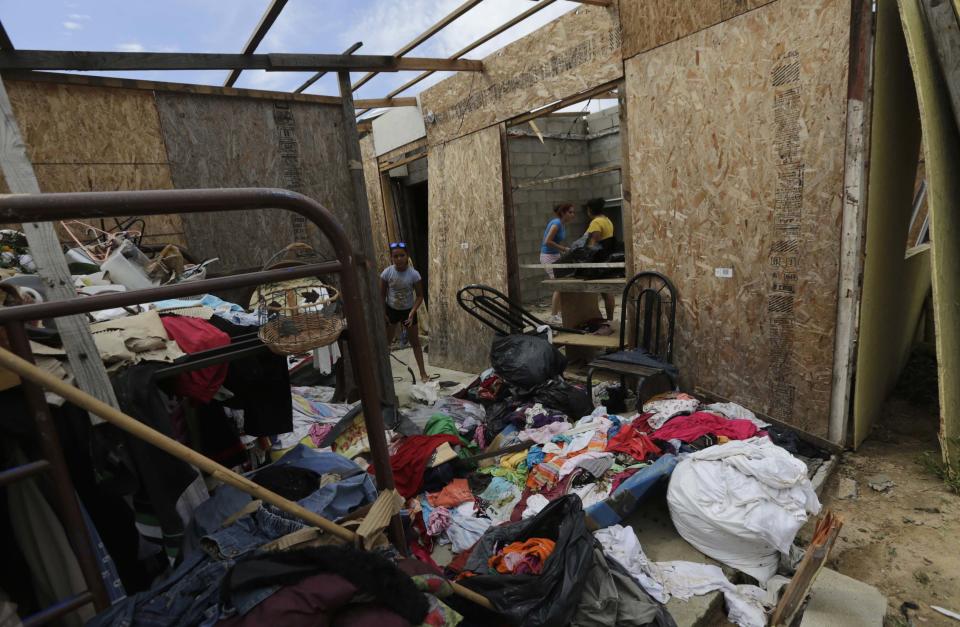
pixel 52 207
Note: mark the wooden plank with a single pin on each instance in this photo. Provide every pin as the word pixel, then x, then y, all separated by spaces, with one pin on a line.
pixel 941 155
pixel 509 222
pixel 574 53
pixel 945 32
pixel 376 103
pixel 126 83
pixel 378 221
pixel 751 178
pixel 466 244
pixel 542 4
pixel 595 286
pixel 445 21
pixel 266 21
pixel 567 177
pixel 82 353
pixel 824 536
pixel 589 341
pixel 558 266
pixel 565 102
pixel 368 274
pixel 416 146
pixel 390 165
pixel 859 116
pixel 894 288
pixel 626 206
pixel 313 79
pixel 275 62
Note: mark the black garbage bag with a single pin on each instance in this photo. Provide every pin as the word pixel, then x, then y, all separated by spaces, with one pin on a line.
pixel 564 397
pixel 526 361
pixel 579 252
pixel 550 598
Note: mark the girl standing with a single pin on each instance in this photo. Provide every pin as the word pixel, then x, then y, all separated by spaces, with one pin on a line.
pixel 551 247
pixel 401 288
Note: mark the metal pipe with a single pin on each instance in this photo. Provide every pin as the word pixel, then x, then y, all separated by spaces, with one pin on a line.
pixel 53 207
pixel 11 475
pixel 61 608
pixel 66 502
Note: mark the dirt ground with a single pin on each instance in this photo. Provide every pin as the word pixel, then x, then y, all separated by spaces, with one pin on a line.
pixel 904 540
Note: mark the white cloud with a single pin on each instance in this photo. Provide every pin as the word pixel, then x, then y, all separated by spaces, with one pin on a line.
pixel 131 46
pixel 79 17
pixel 73 25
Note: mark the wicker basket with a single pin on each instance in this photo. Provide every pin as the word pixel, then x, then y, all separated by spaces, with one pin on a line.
pixel 297 316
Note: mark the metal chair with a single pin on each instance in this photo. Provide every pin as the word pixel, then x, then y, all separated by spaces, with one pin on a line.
pixel 495 309
pixel 646 343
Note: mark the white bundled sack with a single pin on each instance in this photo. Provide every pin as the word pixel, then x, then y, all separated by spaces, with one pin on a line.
pixel 742 503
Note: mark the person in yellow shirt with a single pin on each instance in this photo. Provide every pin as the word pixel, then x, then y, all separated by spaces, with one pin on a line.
pixel 601 233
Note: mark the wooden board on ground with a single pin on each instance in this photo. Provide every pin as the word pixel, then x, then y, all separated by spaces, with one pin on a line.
pixel 894 287
pixel 467 245
pixel 219 141
pixel 739 131
pixel 941 144
pixel 83 138
pixel 378 223
pixel 595 286
pixel 588 340
pixel 573 53
pixel 651 23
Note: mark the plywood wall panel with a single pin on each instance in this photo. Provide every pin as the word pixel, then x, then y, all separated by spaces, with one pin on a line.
pixel 79 124
pixel 219 141
pixel 573 53
pixel 371 176
pixel 651 23
pixel 739 133
pixel 467 244
pixel 82 138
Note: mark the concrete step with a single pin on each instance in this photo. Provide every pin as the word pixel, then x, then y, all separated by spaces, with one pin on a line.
pixel 836 599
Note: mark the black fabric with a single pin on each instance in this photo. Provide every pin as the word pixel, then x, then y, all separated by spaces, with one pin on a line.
pixel 564 397
pixel 369 572
pixel 526 361
pixel 163 477
pixel 550 598
pixel 289 482
pixel 261 387
pixel 640 357
pixel 791 442
pixel 581 251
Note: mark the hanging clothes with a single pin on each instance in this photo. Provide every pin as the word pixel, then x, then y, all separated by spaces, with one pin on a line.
pixel 194 335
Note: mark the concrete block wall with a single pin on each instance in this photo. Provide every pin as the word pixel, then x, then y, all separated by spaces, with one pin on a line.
pixel 570 145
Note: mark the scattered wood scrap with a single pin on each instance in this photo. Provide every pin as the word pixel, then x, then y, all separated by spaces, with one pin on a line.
pixel 826 533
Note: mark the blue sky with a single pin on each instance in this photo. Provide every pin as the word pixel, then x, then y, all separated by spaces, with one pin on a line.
pixel 327 26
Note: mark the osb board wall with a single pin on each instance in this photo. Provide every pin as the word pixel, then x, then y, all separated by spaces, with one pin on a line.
pixel 739 131
pixel 220 141
pixel 894 287
pixel 650 23
pixel 467 244
pixel 82 138
pixel 941 155
pixel 575 52
pixel 371 176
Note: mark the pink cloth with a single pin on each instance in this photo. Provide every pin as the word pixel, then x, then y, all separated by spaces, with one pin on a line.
pixel 542 435
pixel 319 432
pixel 689 428
pixel 439 521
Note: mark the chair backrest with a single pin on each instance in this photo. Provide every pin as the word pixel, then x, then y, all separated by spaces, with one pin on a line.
pixel 647 315
pixel 494 309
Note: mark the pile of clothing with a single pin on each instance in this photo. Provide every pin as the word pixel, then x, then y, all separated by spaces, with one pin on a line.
pixel 519 441
pixel 248 563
